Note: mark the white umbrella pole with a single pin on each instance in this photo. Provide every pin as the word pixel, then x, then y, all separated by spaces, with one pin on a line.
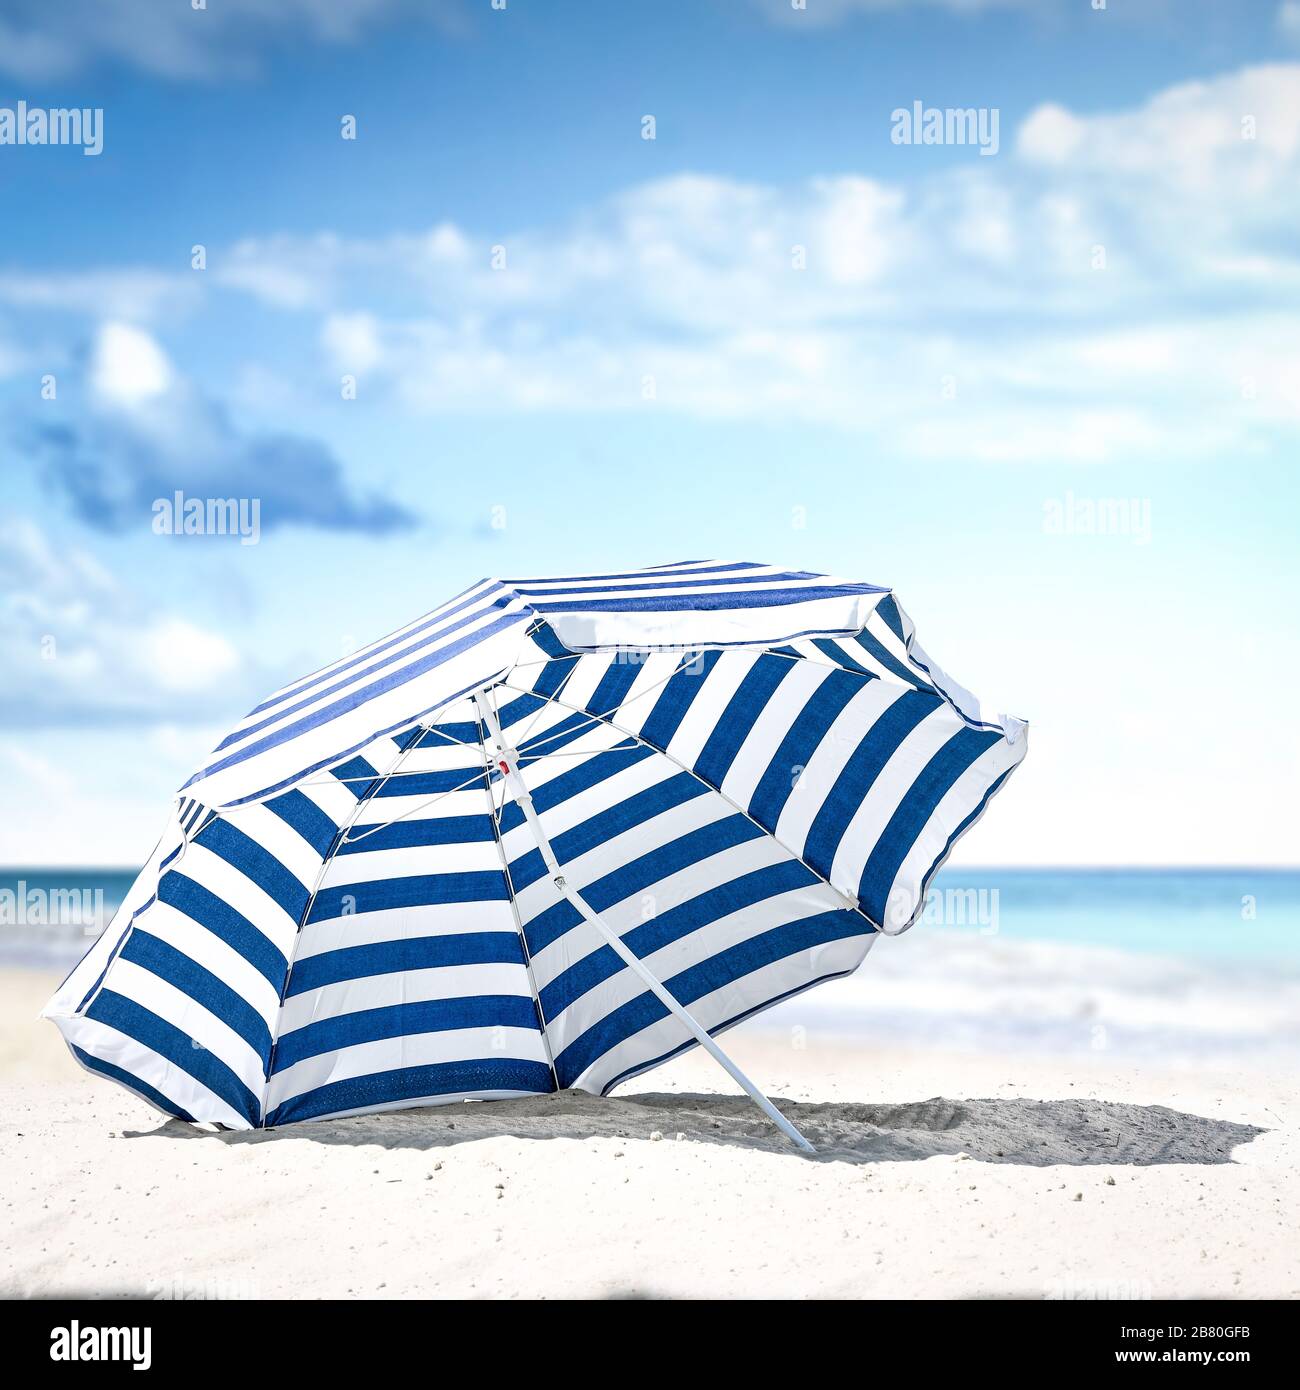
pixel 508 763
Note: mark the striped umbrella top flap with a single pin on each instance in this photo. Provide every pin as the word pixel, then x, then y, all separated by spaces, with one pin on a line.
pixel 413 672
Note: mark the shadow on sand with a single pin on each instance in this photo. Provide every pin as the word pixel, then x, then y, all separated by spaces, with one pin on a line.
pixel 1026 1132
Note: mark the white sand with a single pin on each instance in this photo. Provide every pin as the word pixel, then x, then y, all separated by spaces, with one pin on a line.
pixel 1078 1179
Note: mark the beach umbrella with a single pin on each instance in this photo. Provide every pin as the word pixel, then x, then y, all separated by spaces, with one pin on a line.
pixel 547 836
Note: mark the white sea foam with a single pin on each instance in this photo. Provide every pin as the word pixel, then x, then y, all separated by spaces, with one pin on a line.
pixel 960 989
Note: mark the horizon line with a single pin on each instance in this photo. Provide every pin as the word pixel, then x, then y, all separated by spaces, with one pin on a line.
pixel 1097 866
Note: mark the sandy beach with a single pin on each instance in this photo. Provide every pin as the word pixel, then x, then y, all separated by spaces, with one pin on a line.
pixel 939 1174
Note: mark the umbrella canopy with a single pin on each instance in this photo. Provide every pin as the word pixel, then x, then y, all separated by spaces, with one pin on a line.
pixel 547 836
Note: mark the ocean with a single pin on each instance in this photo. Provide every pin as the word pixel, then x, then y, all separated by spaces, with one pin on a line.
pixel 1175 964
pixel 1195 966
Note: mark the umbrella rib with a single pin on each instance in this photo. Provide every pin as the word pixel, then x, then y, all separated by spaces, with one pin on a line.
pixel 542 708
pixel 551 737
pixel 451 738
pixel 363 777
pixel 432 801
pixel 591 718
pixel 575 753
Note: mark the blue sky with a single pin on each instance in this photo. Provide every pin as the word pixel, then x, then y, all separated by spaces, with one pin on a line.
pixel 970 348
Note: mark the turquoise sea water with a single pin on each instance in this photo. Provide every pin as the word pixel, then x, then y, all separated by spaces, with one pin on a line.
pixel 49 917
pixel 1246 915
pixel 1250 916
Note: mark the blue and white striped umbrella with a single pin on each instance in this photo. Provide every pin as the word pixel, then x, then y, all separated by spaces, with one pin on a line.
pixel 547 836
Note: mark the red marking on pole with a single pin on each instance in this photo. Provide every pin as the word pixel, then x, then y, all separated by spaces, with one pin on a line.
pixel 505 767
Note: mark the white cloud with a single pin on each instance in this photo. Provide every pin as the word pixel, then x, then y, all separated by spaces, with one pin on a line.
pixel 352 340
pixel 224 38
pixel 827 12
pixel 182 657
pixel 22 761
pixel 137 295
pixel 128 365
pixel 857 223
pixel 1051 135
pixel 1092 323
pixel 88 799
pixel 285 272
pixel 1237 133
pixel 79 645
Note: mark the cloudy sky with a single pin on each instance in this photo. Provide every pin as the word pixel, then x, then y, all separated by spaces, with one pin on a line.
pixel 769 333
